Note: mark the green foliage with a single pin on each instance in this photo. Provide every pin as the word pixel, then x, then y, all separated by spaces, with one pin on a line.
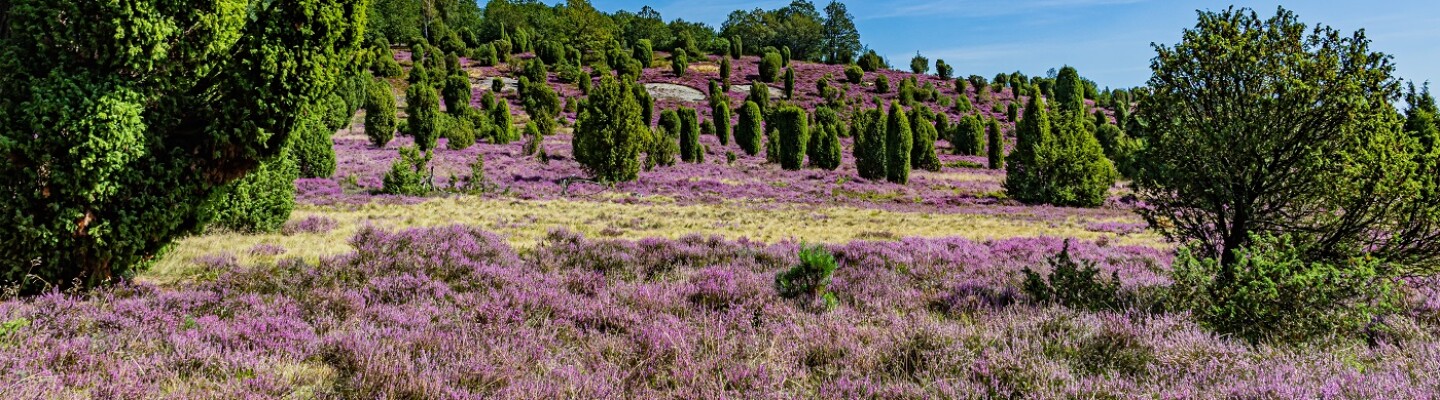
pixel 882 84
pixel 810 278
pixel 969 136
pixel 459 131
pixel 899 141
pixel 262 200
pixel 962 103
pixel 383 65
pixel 679 63
pixel 1278 295
pixel 725 74
pixel 661 147
pixel 871 62
pixel 609 132
pixel 750 129
pixel 906 93
pixel 995 145
pixel 840 40
pixel 1066 168
pixel 380 113
pixel 541 103
pixel 760 94
pixel 1012 112
pixel 869 131
pixel 423 119
pixel 824 150
pixel 919 64
pixel 720 113
pixel 793 131
pixel 770 67
pixel 312 148
pixel 1069 92
pixel 854 74
pixel 737 47
pixel 535 140
pixel 1073 284
pixel 409 175
pixel 503 124
pixel 922 151
pixel 789 83
pixel 943 70
pixel 1305 144
pixel 457 95
pixel 690 150
pixel 785 56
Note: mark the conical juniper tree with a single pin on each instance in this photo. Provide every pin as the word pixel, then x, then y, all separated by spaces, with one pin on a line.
pixel 609 133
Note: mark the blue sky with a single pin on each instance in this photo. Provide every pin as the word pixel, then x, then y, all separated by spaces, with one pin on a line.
pixel 1107 40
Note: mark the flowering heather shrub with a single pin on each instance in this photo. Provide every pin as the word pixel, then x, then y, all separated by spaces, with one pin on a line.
pixel 311 224
pixel 267 250
pixel 455 312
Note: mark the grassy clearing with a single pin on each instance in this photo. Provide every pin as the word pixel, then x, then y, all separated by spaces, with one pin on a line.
pixel 525 222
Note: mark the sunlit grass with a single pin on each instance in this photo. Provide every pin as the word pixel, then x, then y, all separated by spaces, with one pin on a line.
pixel 526 222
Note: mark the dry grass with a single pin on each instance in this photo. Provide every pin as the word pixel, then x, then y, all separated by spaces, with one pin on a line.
pixel 525 222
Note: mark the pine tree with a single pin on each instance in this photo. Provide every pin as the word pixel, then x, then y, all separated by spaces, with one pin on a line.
pixel 898 143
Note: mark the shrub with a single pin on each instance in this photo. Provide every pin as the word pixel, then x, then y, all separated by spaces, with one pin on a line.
pixel 737 48
pixel 871 62
pixel 459 132
pixel 690 150
pixel 1073 284
pixel 1278 295
pixel 644 52
pixel 609 132
pixel 977 82
pixel 824 147
pixel 869 132
pixel 503 123
pixel 791 126
pixel 995 145
pixel 423 107
pixel 770 67
pixel 962 103
pixel 409 175
pixel 760 94
pixel 960 86
pixel 749 129
pixel 810 278
pixel 922 150
pixel 969 136
pixel 1069 91
pixel 679 63
pixel 1012 112
pixel 725 74
pixel 919 64
pixel 541 103
pixel 535 140
pixel 1067 168
pixel 945 71
pixel 384 64
pixel 662 146
pixel 380 113
pixel 720 114
pixel 312 147
pixel 497 85
pixel 262 200
pixel 457 95
pixel 882 84
pixel 785 56
pixel 898 143
pixel 790 83
pixel 477 181
pixel 854 74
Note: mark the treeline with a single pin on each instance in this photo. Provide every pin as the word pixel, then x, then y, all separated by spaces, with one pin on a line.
pixel 461 26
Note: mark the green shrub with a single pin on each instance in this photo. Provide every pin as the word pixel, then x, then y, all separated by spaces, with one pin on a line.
pixel 871 62
pixel 1073 284
pixel 661 147
pixel 790 83
pixel 262 200
pixel 899 140
pixel 384 65
pixel 312 147
pixel 720 114
pixel 854 74
pixel 760 94
pixel 919 64
pixel 690 150
pixel 423 107
pixel 457 95
pixel 535 140
pixel 784 56
pixel 725 74
pixel 868 129
pixel 824 147
pixel 679 63
pixel 922 150
pixel 380 113
pixel 609 132
pixel 945 71
pixel 969 136
pixel 409 175
pixel 459 132
pixel 962 104
pixel 1067 168
pixel 737 48
pixel 750 128
pixel 995 145
pixel 960 86
pixel 810 278
pixel 1278 295
pixel 793 132
pixel 502 123
pixel 882 84
pixel 770 67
